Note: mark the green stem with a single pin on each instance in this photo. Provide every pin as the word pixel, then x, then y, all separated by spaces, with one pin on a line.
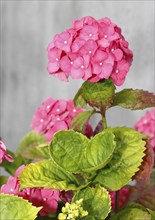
pixel 117 201
pixel 104 122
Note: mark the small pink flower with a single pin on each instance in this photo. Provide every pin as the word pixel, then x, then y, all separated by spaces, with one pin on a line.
pixel 81 68
pixel 54 60
pixel 54 115
pixel 11 187
pixel 3 153
pixel 146 125
pixel 102 63
pixel 119 72
pixel 63 41
pixel 89 32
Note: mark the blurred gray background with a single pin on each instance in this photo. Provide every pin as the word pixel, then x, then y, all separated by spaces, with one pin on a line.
pixel 26 29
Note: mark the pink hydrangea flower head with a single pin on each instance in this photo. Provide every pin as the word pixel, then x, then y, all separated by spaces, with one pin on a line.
pixel 74 52
pixel 54 115
pixel 146 125
pixel 3 154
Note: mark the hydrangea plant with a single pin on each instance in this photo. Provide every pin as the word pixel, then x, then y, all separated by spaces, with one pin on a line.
pixel 66 169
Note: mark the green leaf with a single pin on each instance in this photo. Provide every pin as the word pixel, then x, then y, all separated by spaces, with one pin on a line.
pixel 134 99
pixel 33 146
pixel 99 94
pixel 96 201
pixel 127 158
pixel 67 149
pixel 14 207
pixel 47 174
pixel 37 152
pixel 132 212
pixel 99 151
pixel 76 153
pixel 3 180
pixel 80 121
pixel 79 100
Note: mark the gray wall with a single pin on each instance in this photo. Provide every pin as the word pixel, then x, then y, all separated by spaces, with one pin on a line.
pixel 26 29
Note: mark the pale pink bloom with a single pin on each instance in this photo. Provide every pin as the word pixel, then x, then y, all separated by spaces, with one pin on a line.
pixel 3 154
pixel 146 125
pixel 88 48
pixel 77 44
pixel 54 115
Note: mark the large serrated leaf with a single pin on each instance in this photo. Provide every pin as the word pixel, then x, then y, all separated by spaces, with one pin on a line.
pixel 133 212
pixel 14 207
pixel 67 149
pixel 134 99
pixel 47 174
pixel 76 153
pixel 127 158
pixel 79 100
pixel 80 121
pixel 99 94
pixel 33 146
pixel 96 201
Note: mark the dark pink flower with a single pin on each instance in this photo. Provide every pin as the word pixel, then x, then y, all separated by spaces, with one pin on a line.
pixel 91 50
pixel 123 197
pixel 47 198
pixel 54 115
pixel 146 125
pixel 3 154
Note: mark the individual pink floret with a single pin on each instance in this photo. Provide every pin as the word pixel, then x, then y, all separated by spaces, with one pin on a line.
pixel 146 125
pixel 3 154
pixel 79 52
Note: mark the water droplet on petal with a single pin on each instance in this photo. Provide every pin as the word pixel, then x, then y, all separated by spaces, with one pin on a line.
pixel 58 119
pixel 90 51
pixel 48 106
pixel 58 110
pixel 100 63
pixel 44 199
pixel 112 49
pixel 90 35
pixel 56 59
pixel 71 62
pixel 82 66
pixel 41 120
pixel 65 42
pixel 74 110
pixel 117 71
pixel 11 190
pixel 105 36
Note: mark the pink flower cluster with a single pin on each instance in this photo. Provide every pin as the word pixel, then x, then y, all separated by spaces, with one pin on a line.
pixel 146 125
pixel 123 197
pixel 47 198
pixel 54 115
pixel 91 50
pixel 3 153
